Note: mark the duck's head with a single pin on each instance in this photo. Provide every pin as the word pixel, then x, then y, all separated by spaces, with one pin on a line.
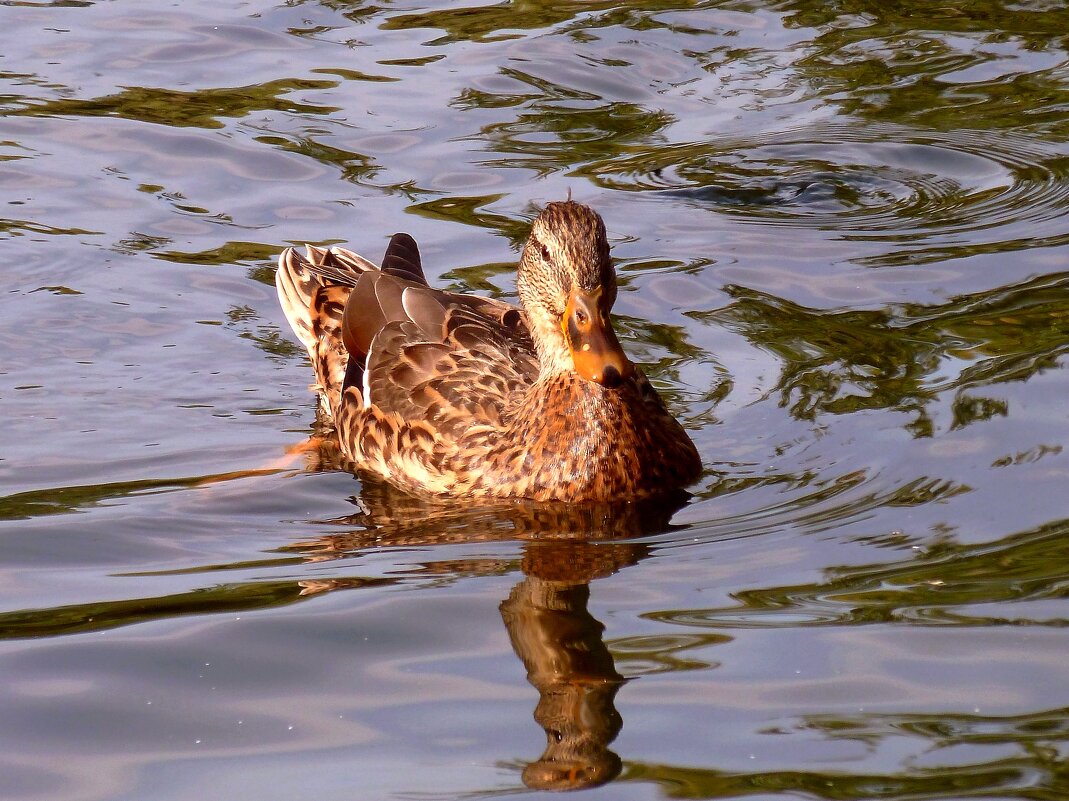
pixel 567 285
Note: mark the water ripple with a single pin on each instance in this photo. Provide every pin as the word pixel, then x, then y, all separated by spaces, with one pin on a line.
pixel 870 183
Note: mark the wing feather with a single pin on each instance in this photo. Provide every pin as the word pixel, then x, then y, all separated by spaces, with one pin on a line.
pixel 363 317
pixel 449 362
pixel 423 307
pixel 402 259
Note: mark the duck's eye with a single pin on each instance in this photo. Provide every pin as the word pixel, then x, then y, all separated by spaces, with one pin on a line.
pixel 544 251
pixel 580 317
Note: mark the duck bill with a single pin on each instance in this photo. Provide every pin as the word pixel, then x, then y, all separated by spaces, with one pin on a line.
pixel 596 351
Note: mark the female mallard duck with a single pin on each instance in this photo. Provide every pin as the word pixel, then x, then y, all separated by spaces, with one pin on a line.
pixel 465 396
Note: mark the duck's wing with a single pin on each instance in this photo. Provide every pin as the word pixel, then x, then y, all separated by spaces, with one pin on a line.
pixel 451 361
pixel 414 353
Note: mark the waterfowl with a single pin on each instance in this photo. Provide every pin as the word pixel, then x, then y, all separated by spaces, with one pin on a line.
pixel 446 394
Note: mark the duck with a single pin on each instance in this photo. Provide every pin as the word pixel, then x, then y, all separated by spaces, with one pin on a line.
pixel 453 395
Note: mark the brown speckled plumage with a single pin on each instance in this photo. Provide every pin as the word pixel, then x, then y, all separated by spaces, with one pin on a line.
pixel 458 395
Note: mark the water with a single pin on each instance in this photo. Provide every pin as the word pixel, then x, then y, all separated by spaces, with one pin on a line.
pixel 843 246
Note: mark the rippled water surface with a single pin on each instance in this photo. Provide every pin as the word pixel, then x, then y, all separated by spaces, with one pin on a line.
pixel 843 242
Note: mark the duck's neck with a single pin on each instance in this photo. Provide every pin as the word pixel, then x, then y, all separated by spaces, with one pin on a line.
pixel 554 358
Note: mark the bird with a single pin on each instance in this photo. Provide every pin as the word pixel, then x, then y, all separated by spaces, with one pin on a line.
pixel 452 395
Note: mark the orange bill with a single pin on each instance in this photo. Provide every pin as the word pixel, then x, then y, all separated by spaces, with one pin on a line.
pixel 596 352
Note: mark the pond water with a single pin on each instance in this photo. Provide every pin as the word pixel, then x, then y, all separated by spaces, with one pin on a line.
pixel 843 246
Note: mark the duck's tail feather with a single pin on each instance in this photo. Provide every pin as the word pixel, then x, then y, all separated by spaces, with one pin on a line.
pixel 312 290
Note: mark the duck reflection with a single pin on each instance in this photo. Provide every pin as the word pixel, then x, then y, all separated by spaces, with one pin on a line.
pixel 566 546
pixel 560 643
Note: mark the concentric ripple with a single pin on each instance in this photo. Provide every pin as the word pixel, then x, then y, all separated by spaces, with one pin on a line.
pixel 882 182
